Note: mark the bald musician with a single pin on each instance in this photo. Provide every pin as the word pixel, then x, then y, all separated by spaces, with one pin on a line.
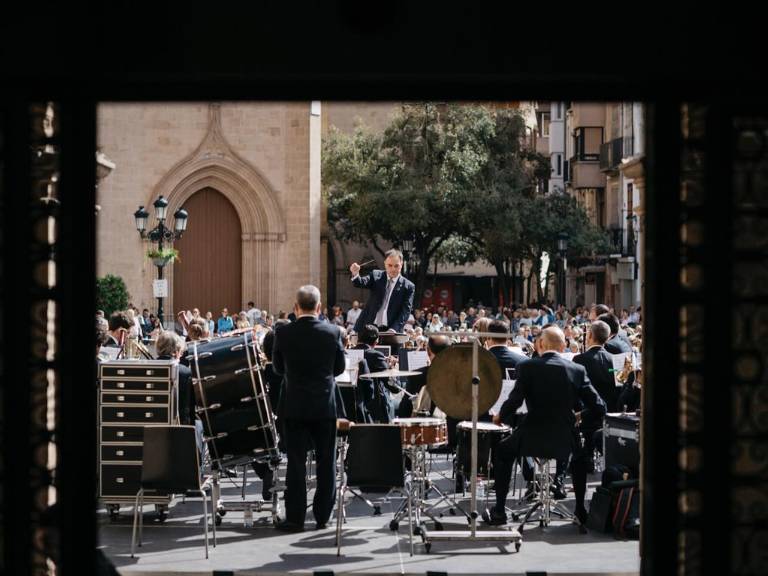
pixel 391 298
pixel 554 389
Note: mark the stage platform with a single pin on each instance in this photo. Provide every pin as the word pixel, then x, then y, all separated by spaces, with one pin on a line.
pixel 175 547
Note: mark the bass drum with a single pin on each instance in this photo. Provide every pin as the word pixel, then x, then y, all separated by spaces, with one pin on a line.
pixel 232 401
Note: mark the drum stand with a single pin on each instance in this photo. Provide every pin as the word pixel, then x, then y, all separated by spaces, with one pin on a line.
pixel 416 495
pixel 472 535
pixel 248 507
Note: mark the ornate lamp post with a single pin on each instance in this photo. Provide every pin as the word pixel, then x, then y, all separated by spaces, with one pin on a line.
pixel 562 250
pixel 407 246
pixel 160 234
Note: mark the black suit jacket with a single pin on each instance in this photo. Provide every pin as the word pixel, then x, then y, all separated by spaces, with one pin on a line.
pixel 599 365
pixel 378 402
pixel 506 358
pixel 310 355
pixel 617 346
pixel 186 394
pixel 400 301
pixel 551 387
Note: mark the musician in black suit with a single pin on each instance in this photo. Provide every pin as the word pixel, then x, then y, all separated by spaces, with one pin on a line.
pixel 599 363
pixel 415 384
pixel 615 343
pixel 552 388
pixel 375 391
pixel 310 354
pixel 498 347
pixel 391 298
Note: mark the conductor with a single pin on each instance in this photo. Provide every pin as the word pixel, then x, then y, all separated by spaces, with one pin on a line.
pixel 310 354
pixel 391 300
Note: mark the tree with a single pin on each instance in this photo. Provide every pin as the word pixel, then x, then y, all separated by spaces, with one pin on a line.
pixel 554 214
pixel 111 294
pixel 413 182
pixel 505 188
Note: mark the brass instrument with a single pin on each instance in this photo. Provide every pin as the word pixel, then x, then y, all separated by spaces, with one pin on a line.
pixel 628 367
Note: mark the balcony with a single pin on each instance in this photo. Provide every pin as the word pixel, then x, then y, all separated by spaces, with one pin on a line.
pixel 620 245
pixel 611 154
pixel 584 172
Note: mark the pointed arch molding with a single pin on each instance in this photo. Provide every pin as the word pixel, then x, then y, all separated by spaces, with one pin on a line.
pixel 216 165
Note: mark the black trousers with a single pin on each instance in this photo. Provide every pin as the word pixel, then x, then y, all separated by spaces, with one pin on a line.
pixel 300 436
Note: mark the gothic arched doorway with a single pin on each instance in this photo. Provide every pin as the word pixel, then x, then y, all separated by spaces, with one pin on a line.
pixel 208 274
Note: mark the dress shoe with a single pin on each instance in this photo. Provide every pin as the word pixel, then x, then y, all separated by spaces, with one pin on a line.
pixel 286 526
pixel 494 517
pixel 581 515
pixel 321 525
pixel 558 491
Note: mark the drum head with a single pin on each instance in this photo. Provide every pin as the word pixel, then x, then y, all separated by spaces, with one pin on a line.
pixel 449 381
pixel 483 426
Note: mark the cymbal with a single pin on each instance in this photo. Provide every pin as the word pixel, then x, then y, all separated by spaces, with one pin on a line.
pixel 389 373
pixel 449 381
pixel 389 338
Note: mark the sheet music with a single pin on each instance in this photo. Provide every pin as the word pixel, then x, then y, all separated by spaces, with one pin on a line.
pixel 354 357
pixel 109 353
pixel 618 364
pixel 417 359
pixel 506 388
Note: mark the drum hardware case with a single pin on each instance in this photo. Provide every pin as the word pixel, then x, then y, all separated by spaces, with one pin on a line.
pixel 621 440
pixel 132 394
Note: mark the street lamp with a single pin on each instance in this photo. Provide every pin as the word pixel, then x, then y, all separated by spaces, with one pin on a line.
pixel 562 249
pixel 160 234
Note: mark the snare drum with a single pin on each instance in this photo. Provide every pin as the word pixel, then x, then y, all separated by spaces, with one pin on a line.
pixel 422 431
pixel 488 437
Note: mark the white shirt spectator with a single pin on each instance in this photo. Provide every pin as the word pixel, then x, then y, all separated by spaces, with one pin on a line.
pixel 254 315
pixel 352 316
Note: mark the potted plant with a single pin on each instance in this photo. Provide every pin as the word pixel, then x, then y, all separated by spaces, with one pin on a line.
pixel 160 257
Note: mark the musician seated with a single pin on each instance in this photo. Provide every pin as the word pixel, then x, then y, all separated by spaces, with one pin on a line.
pixel 119 325
pixel 378 402
pixel 422 405
pixel 551 387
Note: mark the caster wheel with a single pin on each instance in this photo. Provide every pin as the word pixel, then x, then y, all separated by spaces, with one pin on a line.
pixel 541 524
pixel 427 546
pixel 515 517
pixel 218 520
pixel 377 510
pixel 452 511
pixel 221 512
pixel 582 529
pixel 393 525
pixel 517 546
pixel 417 531
pixel 438 526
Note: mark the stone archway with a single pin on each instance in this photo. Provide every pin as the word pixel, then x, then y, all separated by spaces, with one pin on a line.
pixel 214 164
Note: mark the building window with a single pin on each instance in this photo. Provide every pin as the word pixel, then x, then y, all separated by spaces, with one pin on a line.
pixel 557 164
pixel 545 124
pixel 558 111
pixel 586 143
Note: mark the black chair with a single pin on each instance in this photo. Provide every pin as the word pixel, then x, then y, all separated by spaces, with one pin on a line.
pixel 373 456
pixel 170 465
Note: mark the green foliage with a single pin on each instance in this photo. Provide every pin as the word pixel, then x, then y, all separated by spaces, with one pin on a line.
pixel 111 294
pixel 169 254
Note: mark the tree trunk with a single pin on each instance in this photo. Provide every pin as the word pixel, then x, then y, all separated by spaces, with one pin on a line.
pixel 421 278
pixel 503 284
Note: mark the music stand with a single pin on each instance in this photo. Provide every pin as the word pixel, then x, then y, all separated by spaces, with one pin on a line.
pixel 472 534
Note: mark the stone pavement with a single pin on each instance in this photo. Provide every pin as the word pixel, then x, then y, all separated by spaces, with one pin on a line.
pixel 369 546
